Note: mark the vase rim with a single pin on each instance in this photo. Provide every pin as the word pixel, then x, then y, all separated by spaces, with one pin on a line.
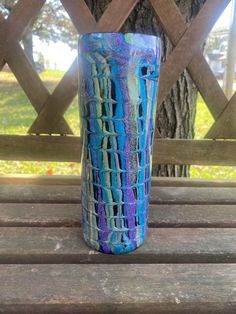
pixel 122 34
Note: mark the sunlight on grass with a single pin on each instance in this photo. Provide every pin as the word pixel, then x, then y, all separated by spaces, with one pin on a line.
pixel 51 75
pixel 16 112
pixel 16 116
pixel 204 120
pixel 37 167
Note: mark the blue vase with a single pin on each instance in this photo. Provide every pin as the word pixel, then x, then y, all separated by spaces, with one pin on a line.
pixel 118 79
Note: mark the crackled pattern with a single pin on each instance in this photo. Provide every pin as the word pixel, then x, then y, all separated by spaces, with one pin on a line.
pixel 118 77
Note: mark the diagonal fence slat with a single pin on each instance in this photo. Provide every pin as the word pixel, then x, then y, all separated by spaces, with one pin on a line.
pixel 198 68
pixel 48 120
pixel 22 15
pixel 80 15
pixel 107 21
pixel 207 85
pixel 192 39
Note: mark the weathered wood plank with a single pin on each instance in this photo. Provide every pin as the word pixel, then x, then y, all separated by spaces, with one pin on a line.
pixel 160 215
pixel 163 245
pixel 166 151
pixel 40 194
pixel 194 216
pixel 193 195
pixel 40 215
pixel 159 194
pixel 115 15
pixel 29 147
pixel 31 179
pixel 192 152
pixel 22 15
pixel 80 15
pixel 202 288
pixel 189 182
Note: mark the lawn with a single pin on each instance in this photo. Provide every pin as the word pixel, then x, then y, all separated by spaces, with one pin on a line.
pixel 202 124
pixel 17 114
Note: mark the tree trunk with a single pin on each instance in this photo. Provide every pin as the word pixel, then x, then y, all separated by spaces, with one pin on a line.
pixel 27 41
pixel 176 114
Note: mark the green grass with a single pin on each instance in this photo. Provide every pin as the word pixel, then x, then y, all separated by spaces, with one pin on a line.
pixel 203 123
pixel 17 115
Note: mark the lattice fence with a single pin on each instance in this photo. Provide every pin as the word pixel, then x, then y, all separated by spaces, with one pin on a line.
pixel 51 107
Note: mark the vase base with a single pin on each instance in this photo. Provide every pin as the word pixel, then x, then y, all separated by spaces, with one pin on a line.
pixel 113 248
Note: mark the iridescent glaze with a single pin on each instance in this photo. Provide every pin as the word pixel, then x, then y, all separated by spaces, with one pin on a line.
pixel 118 78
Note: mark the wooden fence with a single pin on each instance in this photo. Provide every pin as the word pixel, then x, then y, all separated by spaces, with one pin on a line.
pixel 218 149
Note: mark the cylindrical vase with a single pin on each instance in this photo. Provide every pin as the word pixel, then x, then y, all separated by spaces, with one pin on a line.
pixel 118 80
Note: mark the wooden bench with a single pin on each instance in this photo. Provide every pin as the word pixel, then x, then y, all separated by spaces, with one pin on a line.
pixel 187 264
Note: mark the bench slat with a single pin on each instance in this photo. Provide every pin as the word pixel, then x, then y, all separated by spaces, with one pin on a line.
pixel 189 288
pixel 190 215
pixel 31 179
pixel 159 195
pixel 160 215
pixel 164 245
pixel 39 215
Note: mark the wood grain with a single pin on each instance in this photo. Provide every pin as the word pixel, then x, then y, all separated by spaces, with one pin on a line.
pixel 159 194
pixel 22 16
pixel 160 215
pixel 202 288
pixel 33 147
pixel 40 215
pixel 81 16
pixel 34 179
pixel 115 15
pixel 163 245
pixel 166 151
pixel 192 216
pixel 195 152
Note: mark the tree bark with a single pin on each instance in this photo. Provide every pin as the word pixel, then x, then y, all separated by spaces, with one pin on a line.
pixel 176 114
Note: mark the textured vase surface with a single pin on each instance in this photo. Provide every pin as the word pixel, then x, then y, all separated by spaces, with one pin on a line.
pixel 118 78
